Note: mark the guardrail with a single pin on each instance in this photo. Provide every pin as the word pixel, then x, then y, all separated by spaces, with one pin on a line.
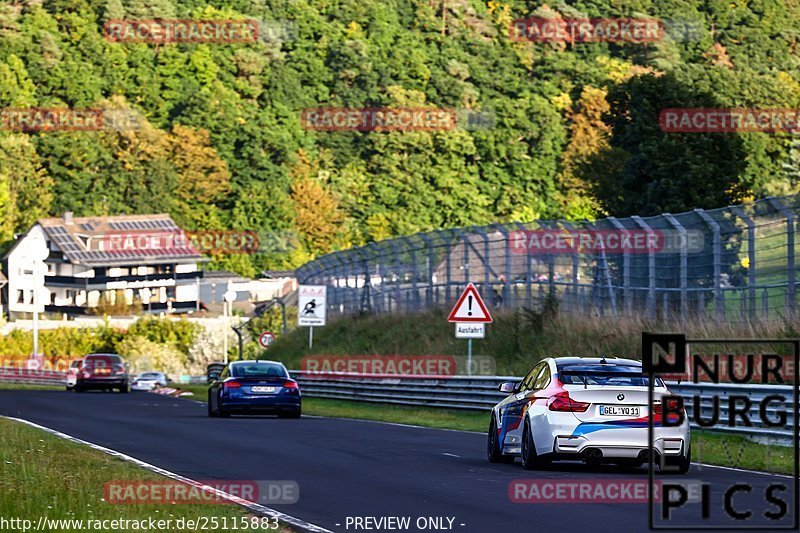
pixel 480 393
pixel 31 377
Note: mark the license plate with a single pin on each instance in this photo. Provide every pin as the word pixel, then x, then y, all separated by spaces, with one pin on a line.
pixel 617 410
pixel 103 371
pixel 263 389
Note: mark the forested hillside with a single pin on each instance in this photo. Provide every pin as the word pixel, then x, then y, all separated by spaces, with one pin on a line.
pixel 219 142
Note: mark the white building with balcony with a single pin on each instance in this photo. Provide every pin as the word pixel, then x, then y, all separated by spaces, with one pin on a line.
pixel 145 259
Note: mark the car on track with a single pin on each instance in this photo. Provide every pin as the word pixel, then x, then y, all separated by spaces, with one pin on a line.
pixel 101 371
pixel 254 387
pixel 147 381
pixel 586 408
pixel 72 373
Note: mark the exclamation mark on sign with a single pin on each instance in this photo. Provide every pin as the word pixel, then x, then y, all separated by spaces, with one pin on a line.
pixel 469 306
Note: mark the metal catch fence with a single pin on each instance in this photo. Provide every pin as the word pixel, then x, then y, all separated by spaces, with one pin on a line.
pixel 736 264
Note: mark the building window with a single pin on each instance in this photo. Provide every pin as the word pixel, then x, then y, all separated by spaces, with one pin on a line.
pixel 20 297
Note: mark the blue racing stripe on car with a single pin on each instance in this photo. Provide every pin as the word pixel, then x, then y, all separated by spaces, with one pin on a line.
pixel 590 427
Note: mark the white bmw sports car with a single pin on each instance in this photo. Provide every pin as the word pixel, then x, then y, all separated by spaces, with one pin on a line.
pixel 587 408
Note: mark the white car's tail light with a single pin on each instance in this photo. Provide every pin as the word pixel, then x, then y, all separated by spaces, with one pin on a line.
pixel 674 405
pixel 562 402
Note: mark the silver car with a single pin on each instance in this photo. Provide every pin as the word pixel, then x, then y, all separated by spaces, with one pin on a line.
pixel 147 381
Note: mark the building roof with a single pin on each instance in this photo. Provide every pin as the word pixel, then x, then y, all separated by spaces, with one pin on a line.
pixel 120 240
pixel 276 274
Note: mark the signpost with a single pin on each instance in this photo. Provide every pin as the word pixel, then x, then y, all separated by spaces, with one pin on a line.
pixel 38 254
pixel 470 316
pixel 311 308
pixel 265 339
pixel 227 307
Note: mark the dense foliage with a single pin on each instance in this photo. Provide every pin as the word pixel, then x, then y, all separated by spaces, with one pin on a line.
pixel 219 141
pixel 176 347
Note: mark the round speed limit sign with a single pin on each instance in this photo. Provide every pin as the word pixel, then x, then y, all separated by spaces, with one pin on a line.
pixel 265 339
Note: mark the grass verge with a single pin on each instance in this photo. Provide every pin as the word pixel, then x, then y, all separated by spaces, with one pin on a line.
pixel 43 475
pixel 20 386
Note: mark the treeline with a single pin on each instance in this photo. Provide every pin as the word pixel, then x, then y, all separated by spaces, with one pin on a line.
pixel 219 141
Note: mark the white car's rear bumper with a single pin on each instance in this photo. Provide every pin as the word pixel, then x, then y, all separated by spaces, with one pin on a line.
pixel 627 443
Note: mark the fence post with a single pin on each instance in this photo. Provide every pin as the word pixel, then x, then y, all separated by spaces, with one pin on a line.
pixel 626 267
pixel 487 265
pixel 719 298
pixel 375 253
pixel 366 296
pixel 413 251
pixel 506 295
pixel 321 274
pixel 449 268
pixel 575 267
pixel 430 272
pixel 465 266
pixel 651 271
pixel 551 269
pixel 751 257
pixel 683 262
pixel 528 268
pixel 791 291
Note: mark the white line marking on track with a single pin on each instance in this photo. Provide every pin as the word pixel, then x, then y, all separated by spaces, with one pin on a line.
pixel 250 506
pixel 394 424
pixel 451 454
pixel 743 470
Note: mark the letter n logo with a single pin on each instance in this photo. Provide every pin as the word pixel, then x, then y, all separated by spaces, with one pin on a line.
pixel 664 353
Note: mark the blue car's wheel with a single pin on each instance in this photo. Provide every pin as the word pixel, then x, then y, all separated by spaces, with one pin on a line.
pixel 211 411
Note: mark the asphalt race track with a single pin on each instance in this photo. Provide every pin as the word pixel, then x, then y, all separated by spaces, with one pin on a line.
pixel 350 468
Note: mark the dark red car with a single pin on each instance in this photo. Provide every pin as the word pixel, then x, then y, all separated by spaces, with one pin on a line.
pixel 102 371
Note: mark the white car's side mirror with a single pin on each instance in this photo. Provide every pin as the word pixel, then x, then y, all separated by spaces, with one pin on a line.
pixel 508 387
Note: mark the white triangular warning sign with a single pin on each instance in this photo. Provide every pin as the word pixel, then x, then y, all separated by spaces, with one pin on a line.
pixel 470 307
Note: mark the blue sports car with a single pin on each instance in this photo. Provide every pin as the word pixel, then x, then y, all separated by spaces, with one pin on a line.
pixel 254 387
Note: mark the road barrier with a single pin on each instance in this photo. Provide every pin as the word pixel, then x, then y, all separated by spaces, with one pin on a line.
pixel 31 377
pixel 480 393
